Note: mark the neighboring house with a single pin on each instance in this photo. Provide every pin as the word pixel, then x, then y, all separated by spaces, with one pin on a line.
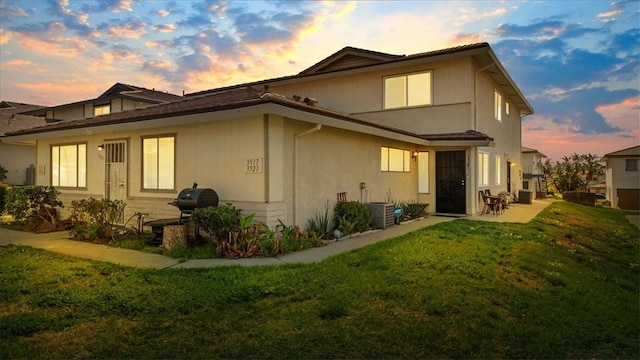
pixel 434 128
pixel 623 178
pixel 533 172
pixel 119 97
pixel 18 158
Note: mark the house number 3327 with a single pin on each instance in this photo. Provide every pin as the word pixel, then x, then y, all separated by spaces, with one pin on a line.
pixel 253 166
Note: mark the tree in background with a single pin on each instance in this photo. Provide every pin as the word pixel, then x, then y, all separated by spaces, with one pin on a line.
pixel 3 173
pixel 574 172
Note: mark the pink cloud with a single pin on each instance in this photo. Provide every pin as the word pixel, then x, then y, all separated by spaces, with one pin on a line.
pixel 68 47
pixel 5 36
pixel 164 28
pixel 624 115
pixel 556 140
pixel 16 64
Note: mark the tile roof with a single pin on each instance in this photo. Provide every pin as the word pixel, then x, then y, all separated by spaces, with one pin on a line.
pixel 467 135
pixel 14 122
pixel 232 99
pixel 390 58
pixel 11 107
pixel 630 152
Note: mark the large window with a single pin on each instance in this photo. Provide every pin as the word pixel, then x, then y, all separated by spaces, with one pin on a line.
pixel 498 169
pixel 407 90
pixel 497 106
pixel 158 162
pixel 395 160
pixel 69 165
pixel 101 110
pixel 483 169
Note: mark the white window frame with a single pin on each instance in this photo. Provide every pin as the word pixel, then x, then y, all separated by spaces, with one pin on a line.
pixel 395 160
pixel 70 172
pixel 409 84
pixel 498 169
pixel 158 164
pixel 483 168
pixel 497 105
pixel 103 109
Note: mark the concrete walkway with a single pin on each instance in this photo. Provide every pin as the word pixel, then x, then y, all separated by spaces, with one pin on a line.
pixel 60 242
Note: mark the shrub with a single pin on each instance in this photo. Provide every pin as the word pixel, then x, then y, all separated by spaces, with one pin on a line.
pixel 321 224
pixel 413 209
pixel 351 215
pixel 3 173
pixel 218 221
pixel 35 205
pixel 3 196
pixel 92 218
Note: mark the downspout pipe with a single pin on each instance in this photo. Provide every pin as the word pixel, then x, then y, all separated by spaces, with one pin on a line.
pixel 296 185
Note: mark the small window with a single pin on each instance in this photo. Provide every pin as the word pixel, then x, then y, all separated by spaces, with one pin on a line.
pixel 69 165
pixel 101 109
pixel 158 163
pixel 395 160
pixel 507 108
pixel 631 165
pixel 407 90
pixel 497 108
pixel 498 163
pixel 483 169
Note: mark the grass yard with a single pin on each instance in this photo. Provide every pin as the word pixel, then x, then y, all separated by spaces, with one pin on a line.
pixel 565 285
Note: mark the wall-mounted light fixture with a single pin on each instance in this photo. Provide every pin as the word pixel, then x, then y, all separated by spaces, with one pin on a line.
pixel 100 147
pixel 414 155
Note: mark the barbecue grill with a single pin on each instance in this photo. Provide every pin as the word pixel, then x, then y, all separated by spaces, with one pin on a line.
pixel 193 198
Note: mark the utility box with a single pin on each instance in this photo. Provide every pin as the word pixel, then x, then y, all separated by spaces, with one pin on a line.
pixel 382 214
pixel 525 196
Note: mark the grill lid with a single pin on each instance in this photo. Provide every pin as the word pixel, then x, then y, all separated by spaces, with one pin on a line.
pixel 192 198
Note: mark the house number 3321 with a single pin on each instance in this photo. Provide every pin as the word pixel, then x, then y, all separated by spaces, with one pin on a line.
pixel 253 166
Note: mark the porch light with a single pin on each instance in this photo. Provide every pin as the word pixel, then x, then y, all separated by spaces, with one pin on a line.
pixel 414 155
pixel 100 147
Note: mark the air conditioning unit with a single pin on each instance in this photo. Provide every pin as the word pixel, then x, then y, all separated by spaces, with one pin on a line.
pixel 382 214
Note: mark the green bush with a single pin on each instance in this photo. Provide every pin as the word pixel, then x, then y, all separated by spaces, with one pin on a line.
pixel 321 224
pixel 35 205
pixel 351 216
pixel 92 218
pixel 218 221
pixel 3 173
pixel 3 196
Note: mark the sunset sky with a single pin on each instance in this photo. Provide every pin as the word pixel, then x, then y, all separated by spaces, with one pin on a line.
pixel 577 62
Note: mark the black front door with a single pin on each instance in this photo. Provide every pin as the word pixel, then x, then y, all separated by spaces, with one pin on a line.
pixel 450 182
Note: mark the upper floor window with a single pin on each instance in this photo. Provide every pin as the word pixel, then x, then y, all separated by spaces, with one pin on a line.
pixel 631 164
pixel 497 106
pixel 407 90
pixel 483 169
pixel 101 109
pixel 158 162
pixel 69 165
pixel 507 108
pixel 395 160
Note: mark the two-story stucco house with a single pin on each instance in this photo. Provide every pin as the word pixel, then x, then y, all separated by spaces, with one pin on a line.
pixel 533 172
pixel 623 178
pixel 434 127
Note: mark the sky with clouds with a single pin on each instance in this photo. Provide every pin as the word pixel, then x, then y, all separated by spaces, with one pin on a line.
pixel 577 62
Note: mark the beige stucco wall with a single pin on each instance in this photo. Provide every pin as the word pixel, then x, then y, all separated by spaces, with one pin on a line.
pixel 15 159
pixel 618 178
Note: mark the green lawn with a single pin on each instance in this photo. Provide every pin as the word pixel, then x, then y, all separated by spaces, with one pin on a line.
pixel 565 285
